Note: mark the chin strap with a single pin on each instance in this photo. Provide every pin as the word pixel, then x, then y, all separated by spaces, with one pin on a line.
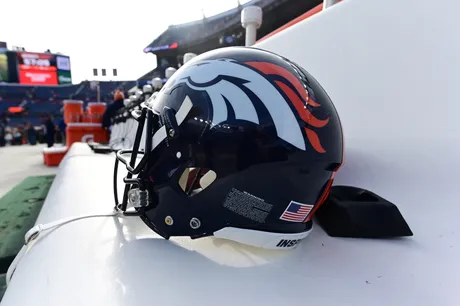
pixel 35 232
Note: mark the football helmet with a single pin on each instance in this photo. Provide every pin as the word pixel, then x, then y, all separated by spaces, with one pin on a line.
pixel 240 143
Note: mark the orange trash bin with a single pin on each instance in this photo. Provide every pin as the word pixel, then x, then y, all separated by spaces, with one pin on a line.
pixel 85 132
pixel 73 111
pixel 95 111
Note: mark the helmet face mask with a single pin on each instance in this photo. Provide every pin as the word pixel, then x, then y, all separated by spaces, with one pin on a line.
pixel 211 157
pixel 154 138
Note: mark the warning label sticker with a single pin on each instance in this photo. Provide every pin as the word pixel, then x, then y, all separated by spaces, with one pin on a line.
pixel 247 205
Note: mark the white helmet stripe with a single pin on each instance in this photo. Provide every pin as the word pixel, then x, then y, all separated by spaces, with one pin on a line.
pixel 240 102
pixel 283 118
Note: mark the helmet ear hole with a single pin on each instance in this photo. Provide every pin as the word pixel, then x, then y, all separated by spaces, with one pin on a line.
pixel 194 180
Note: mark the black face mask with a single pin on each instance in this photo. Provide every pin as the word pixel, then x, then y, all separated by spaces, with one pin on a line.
pixel 160 131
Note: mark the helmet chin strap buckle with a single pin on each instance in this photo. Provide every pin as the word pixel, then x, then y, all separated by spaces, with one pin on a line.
pixel 138 198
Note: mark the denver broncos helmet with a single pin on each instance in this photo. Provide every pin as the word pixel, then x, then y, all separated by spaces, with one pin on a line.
pixel 240 143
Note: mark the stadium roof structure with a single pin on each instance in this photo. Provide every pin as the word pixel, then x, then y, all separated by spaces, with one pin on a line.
pixel 219 30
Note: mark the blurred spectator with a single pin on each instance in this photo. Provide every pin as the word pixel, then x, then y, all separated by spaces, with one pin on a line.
pixel 40 134
pixel 17 137
pixel 24 129
pixel 112 108
pixel 8 138
pixel 58 136
pixel 2 132
pixel 31 134
pixel 50 131
pixel 62 128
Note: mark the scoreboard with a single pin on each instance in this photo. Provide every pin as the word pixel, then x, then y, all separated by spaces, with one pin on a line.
pixel 43 69
pixel 36 68
pixel 30 68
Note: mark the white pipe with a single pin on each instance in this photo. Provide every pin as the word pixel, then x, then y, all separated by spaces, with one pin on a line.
pixel 251 20
pixel 251 34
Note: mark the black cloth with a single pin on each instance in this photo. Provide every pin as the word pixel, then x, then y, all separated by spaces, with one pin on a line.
pixel 110 112
pixel 32 136
pixel 2 135
pixel 50 130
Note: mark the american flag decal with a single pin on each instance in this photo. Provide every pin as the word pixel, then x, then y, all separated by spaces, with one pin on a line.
pixel 296 212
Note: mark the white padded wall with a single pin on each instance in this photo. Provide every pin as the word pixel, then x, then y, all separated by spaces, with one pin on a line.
pixel 391 67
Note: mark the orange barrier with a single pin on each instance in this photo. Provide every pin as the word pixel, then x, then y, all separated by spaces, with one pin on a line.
pixel 95 111
pixel 302 17
pixel 85 132
pixel 53 156
pixel 73 111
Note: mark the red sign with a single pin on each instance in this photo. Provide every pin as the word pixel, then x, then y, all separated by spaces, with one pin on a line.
pixel 33 77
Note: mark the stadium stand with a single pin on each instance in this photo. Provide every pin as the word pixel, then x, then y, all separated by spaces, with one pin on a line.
pixel 199 36
pixel 39 100
pixel 218 31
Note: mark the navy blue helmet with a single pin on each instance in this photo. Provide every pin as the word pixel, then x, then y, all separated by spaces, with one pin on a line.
pixel 240 143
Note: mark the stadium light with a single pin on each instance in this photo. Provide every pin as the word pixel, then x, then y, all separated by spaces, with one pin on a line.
pixel 251 20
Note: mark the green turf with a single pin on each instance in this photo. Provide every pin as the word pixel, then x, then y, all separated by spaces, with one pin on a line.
pixel 19 210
